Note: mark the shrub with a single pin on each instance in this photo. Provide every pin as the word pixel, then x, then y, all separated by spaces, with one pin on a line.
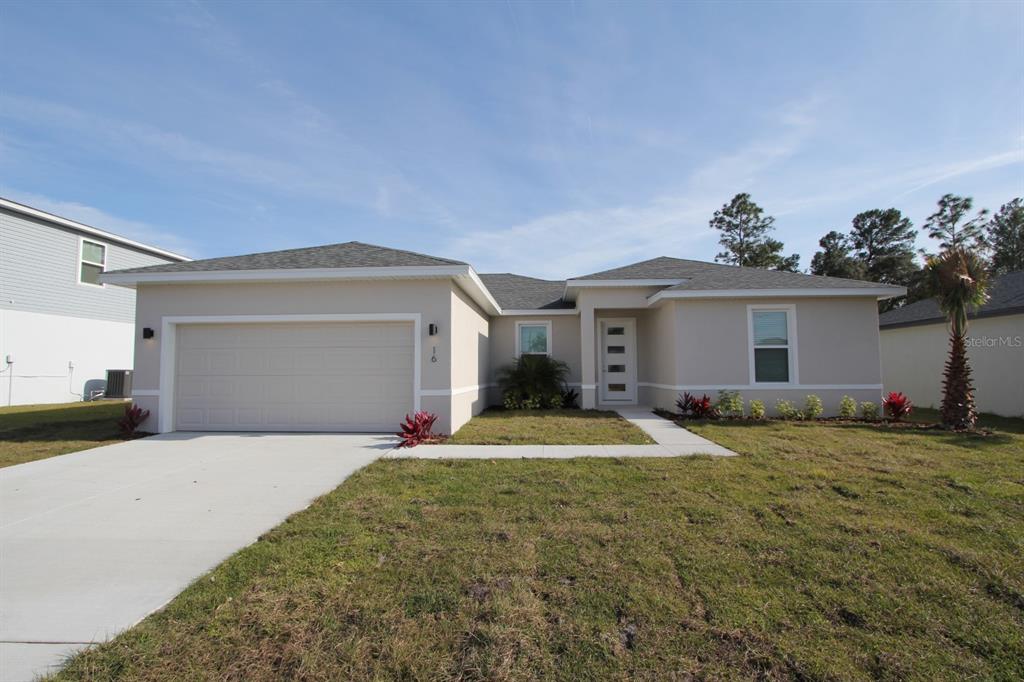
pixel 513 402
pixel 691 407
pixel 704 408
pixel 847 407
pixel 897 405
pixel 532 382
pixel 730 403
pixel 419 428
pixel 757 409
pixel 133 417
pixel 869 411
pixel 786 410
pixel 571 399
pixel 813 407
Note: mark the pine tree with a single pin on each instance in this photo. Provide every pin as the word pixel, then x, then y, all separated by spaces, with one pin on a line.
pixel 834 259
pixel 745 233
pixel 883 240
pixel 1006 238
pixel 945 226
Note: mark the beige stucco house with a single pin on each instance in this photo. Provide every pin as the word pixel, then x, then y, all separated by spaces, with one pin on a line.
pixel 351 337
pixel 915 343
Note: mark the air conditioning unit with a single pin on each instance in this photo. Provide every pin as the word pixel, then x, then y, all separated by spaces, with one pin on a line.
pixel 119 383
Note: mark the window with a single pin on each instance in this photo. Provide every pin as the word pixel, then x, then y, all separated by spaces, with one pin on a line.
pixel 92 262
pixel 533 338
pixel 772 344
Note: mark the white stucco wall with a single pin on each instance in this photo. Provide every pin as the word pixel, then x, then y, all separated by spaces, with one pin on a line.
pixel 470 363
pixel 837 351
pixel 913 359
pixel 432 299
pixel 43 346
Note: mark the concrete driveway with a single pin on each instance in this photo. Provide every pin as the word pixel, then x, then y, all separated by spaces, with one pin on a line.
pixel 92 542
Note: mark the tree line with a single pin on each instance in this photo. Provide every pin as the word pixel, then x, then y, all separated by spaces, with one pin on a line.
pixel 879 246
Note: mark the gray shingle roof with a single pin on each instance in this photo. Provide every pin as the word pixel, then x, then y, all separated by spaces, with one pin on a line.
pixel 702 276
pixel 1006 297
pixel 516 292
pixel 346 255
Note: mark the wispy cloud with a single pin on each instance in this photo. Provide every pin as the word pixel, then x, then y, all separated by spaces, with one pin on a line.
pixel 926 177
pixel 138 230
pixel 577 242
pixel 581 241
pixel 326 167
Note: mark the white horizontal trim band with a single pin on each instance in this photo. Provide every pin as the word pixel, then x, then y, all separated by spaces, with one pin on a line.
pixel 874 292
pixel 316 317
pixel 766 387
pixel 541 313
pixel 276 275
pixel 597 283
pixel 464 274
pixel 145 392
pixel 443 392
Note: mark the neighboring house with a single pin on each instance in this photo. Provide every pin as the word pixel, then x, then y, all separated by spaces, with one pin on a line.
pixel 353 336
pixel 61 329
pixel 915 344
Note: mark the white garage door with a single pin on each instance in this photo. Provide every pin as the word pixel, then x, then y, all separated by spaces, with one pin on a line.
pixel 335 376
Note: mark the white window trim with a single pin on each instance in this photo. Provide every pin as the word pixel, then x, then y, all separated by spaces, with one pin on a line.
pixel 81 259
pixel 794 373
pixel 533 323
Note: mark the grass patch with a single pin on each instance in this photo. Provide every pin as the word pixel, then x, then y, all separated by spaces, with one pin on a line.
pixel 825 552
pixel 31 432
pixel 549 427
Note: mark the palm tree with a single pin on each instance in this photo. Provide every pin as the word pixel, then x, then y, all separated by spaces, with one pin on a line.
pixel 958 278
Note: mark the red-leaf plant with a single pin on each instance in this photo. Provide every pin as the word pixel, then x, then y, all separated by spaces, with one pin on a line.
pixel 897 405
pixel 696 408
pixel 417 429
pixel 133 417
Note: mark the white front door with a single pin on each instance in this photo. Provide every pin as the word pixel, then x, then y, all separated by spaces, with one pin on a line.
pixel 618 360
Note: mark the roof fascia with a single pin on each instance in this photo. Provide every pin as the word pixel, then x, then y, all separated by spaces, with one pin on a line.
pixel 878 293
pixel 571 284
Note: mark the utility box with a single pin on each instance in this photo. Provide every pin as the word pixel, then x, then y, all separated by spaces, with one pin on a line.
pixel 119 383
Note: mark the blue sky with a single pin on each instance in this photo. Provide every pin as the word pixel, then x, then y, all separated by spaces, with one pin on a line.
pixel 546 139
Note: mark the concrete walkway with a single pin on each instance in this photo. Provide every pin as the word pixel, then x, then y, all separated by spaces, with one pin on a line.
pixel 672 441
pixel 92 542
pixel 671 435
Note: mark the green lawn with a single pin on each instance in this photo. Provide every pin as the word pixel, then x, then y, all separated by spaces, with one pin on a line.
pixel 548 427
pixel 31 432
pixel 825 552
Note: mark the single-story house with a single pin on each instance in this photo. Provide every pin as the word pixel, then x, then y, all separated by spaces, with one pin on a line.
pixel 351 337
pixel 915 345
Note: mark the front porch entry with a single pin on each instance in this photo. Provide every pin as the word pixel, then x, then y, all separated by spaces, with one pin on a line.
pixel 617 365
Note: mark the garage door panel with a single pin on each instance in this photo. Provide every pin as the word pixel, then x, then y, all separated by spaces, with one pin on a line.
pixel 294 377
pixel 192 362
